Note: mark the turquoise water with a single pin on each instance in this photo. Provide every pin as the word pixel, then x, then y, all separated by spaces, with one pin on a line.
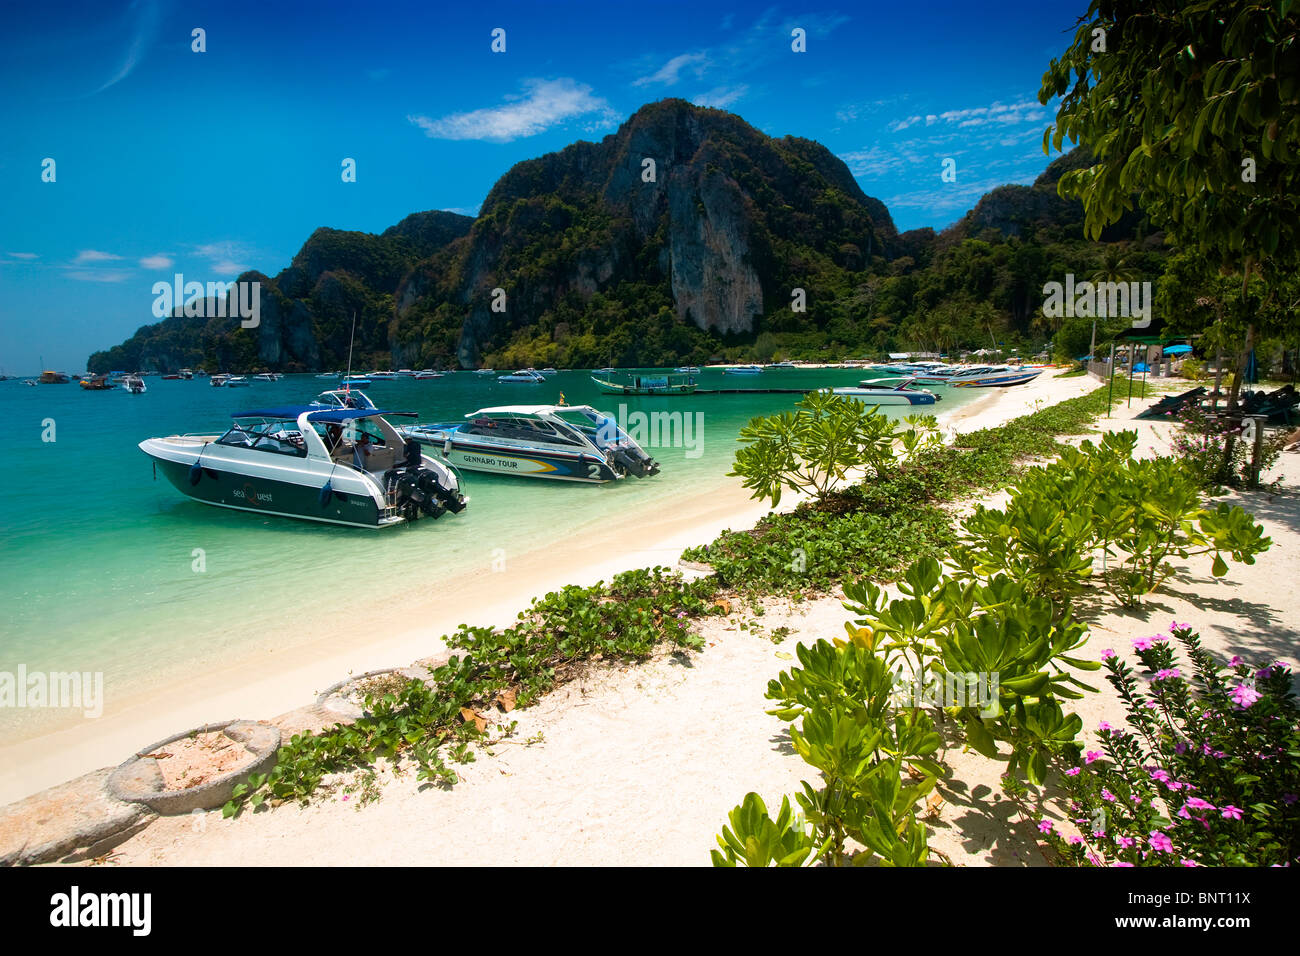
pixel 98 556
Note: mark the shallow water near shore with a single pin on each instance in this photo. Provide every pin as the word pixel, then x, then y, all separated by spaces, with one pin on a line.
pixel 101 560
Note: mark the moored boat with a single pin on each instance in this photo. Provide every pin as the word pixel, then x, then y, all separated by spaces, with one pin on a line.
pixel 979 376
pixel 871 392
pixel 54 378
pixel 96 383
pixel 561 442
pixel 336 465
pixel 743 370
pixel 135 385
pixel 528 376
pixel 646 384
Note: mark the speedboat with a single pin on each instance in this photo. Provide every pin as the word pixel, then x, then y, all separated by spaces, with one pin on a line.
pixel 743 370
pixel 981 376
pixel 338 465
pixel 688 369
pixel 343 398
pixel 782 365
pixel 135 385
pixel 187 375
pixel 549 371
pixel 428 374
pixel 237 381
pixel 330 375
pixel 485 371
pixel 563 442
pixel 383 376
pixel 872 392
pixel 528 376
pixel 354 381
pixel 219 380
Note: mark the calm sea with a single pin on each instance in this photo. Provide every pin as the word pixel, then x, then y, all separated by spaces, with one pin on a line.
pixel 98 556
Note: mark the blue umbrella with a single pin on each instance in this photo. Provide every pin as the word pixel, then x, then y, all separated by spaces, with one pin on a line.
pixel 1177 349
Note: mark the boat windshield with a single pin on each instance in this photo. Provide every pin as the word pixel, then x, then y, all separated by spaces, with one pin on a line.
pixel 524 429
pixel 278 437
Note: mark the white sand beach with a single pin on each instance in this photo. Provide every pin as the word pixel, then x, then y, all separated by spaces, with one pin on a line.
pixel 641 764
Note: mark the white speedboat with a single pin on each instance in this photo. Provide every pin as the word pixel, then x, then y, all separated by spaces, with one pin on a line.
pixel 134 384
pixel 688 369
pixel 562 442
pixel 266 377
pixel 485 371
pixel 218 380
pixel 743 370
pixel 237 381
pixel 336 465
pixel 428 375
pixel 872 392
pixel 781 365
pixel 343 398
pixel 382 376
pixel 979 376
pixel 528 376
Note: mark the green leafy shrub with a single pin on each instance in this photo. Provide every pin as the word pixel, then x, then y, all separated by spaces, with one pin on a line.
pixel 553 640
pixel 1207 773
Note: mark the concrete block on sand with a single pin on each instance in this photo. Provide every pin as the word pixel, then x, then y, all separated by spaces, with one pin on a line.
pixel 54 823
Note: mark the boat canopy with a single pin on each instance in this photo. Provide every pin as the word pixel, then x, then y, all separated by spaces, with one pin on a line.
pixel 335 416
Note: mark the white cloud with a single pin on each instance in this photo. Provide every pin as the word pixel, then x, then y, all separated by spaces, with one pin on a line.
pixel 158 261
pixel 721 97
pixel 24 255
pixel 546 103
pixel 670 72
pixel 94 255
pixel 93 275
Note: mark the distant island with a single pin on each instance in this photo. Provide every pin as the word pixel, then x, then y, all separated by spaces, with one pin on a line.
pixel 681 238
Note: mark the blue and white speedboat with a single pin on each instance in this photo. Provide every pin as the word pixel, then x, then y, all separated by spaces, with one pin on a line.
pixel 980 376
pixel 561 442
pixel 528 376
pixel 873 393
pixel 343 398
pixel 743 370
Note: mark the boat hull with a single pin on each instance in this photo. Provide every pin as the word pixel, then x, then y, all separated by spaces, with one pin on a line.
pixel 883 396
pixel 265 489
pixel 519 462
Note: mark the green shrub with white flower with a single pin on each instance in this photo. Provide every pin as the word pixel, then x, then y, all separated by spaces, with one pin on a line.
pixel 1206 773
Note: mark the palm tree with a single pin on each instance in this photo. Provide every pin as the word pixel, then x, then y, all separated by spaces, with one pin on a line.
pixel 1116 266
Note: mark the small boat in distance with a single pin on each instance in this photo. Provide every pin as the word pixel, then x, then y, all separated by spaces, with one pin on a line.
pixel 688 369
pixel 631 384
pixel 561 442
pixel 96 383
pixel 343 398
pixel 549 371
pixel 743 370
pixel 355 381
pixel 237 381
pixel 427 374
pixel 187 374
pixel 54 378
pixel 528 376
pixel 786 364
pixel 485 371
pixel 135 385
pixel 336 465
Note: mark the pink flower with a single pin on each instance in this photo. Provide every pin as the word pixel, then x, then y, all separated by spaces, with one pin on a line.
pixel 1094 859
pixel 1076 840
pixel 1245 695
pixel 1175 626
pixel 1160 841
pixel 1143 643
pixel 1187 862
pixel 1107 795
pixel 1124 842
pixel 1167 673
pixel 1235 661
pixel 1103 726
pixel 1045 826
pixel 1107 654
pixel 1231 813
pixel 1091 755
pixel 1072 772
pixel 1121 863
pixel 1196 803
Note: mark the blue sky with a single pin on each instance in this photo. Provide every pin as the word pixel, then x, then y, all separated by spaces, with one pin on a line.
pixel 168 160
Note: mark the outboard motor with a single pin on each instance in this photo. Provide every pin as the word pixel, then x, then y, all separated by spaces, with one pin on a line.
pixel 633 461
pixel 419 490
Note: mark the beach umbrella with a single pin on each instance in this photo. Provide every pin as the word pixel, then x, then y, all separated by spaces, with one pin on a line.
pixel 1177 349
